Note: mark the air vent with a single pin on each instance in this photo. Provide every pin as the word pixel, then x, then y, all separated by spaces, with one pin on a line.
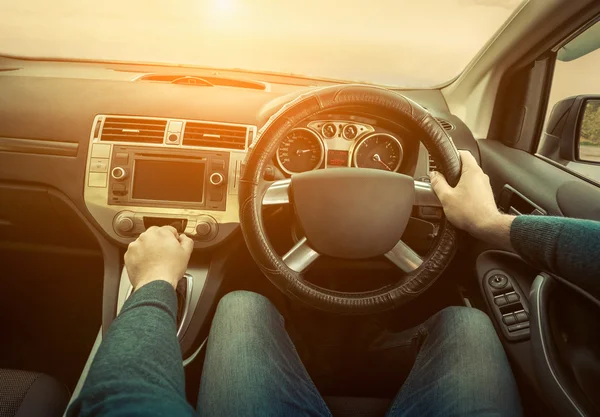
pixel 445 124
pixel 122 129
pixel 214 135
pixel 432 164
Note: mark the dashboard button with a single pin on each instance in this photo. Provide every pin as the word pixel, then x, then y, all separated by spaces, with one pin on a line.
pixel 512 297
pixel 207 228
pixel 500 300
pixel 118 173
pixel 218 164
pixel 509 319
pixel 216 178
pixel 124 223
pixel 119 189
pixel 216 195
pixel 100 150
pixel 203 229
pixel 518 326
pixel 99 165
pixel 498 281
pixel 521 316
pixel 97 179
pixel 121 158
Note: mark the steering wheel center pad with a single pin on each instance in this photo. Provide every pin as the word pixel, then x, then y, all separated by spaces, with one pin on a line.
pixel 352 213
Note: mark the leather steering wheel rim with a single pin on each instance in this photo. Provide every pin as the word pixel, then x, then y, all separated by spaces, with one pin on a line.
pixel 252 188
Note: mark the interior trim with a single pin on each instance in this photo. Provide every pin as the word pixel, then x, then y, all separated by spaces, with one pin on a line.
pixel 566 169
pixel 39 147
pixel 86 370
pixel 538 297
pixel 193 356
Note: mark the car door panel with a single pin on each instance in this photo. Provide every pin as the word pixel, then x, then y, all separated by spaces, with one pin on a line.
pixel 563 345
pixel 539 181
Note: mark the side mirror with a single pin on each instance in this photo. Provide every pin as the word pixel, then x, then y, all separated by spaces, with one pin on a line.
pixel 589 132
pixel 572 132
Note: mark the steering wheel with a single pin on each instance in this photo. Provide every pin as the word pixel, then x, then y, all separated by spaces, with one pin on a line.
pixel 348 213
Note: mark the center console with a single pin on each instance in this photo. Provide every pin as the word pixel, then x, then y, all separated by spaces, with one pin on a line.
pixel 144 172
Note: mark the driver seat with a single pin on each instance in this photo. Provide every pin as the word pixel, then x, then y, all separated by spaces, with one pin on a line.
pixel 358 406
pixel 24 394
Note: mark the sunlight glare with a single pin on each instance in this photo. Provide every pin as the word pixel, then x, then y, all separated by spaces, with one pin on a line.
pixel 224 7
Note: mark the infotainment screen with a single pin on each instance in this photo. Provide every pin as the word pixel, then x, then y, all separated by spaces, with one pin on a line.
pixel 168 180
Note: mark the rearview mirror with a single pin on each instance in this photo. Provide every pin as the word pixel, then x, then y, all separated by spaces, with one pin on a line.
pixel 589 131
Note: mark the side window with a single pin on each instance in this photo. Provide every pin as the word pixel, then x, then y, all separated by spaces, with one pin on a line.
pixel 571 134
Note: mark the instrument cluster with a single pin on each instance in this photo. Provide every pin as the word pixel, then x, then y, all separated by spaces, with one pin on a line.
pixel 338 143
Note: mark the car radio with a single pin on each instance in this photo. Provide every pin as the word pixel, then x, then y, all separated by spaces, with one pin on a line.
pixel 144 171
pixel 166 178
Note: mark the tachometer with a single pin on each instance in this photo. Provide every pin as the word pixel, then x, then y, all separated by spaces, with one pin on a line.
pixel 379 151
pixel 301 150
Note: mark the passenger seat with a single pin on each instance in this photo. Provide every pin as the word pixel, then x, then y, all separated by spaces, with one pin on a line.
pixel 25 394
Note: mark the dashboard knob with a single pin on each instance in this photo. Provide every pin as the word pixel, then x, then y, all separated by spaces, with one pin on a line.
pixel 203 229
pixel 118 173
pixel 216 178
pixel 124 223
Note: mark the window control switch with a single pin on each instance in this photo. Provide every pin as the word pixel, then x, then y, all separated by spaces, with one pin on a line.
pixel 509 319
pixel 521 316
pixel 500 300
pixel 512 297
pixel 518 326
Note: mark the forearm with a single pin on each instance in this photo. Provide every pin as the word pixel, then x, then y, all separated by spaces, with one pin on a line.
pixel 563 246
pixel 138 368
pixel 496 230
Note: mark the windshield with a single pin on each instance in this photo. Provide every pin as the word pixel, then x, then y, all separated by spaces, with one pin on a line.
pixel 403 43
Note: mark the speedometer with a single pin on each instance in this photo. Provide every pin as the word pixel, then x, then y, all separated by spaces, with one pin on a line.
pixel 379 151
pixel 300 151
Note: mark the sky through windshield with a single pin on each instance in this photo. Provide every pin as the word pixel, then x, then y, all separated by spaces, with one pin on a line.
pixel 392 42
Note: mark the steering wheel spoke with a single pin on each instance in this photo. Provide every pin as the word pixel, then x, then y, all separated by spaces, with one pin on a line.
pixel 277 193
pixel 301 256
pixel 424 195
pixel 404 257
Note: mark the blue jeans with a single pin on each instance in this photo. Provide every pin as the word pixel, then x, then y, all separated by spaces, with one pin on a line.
pixel 252 367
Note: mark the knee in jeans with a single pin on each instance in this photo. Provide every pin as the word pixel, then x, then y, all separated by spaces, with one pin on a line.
pixel 466 321
pixel 244 307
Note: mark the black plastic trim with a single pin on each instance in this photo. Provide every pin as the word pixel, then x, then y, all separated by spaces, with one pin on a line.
pixel 543 357
pixel 567 170
pixel 112 265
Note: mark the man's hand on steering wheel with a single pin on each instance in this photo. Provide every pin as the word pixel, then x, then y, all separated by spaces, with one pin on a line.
pixel 470 205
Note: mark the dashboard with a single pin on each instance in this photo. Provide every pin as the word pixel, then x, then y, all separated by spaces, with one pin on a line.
pixel 128 154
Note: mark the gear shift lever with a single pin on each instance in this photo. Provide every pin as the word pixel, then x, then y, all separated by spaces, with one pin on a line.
pixel 184 296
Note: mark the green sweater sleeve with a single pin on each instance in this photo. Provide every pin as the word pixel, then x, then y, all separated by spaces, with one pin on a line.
pixel 569 248
pixel 138 370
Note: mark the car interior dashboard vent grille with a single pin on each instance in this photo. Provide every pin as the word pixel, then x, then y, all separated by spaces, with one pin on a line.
pixel 136 130
pixel 446 125
pixel 204 80
pixel 215 135
pixel 432 164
